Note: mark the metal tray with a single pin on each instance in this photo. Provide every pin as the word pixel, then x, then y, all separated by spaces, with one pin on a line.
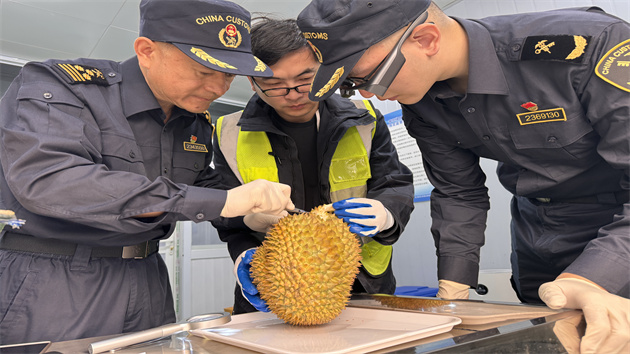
pixel 471 312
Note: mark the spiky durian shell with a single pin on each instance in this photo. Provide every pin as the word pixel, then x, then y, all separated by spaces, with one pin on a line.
pixel 305 268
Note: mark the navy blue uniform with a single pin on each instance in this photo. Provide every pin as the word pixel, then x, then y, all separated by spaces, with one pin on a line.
pixel 548 97
pixel 84 148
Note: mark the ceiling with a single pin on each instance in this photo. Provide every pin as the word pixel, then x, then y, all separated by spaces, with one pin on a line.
pixel 42 29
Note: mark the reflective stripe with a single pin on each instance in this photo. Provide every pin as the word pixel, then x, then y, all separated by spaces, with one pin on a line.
pixel 377 256
pixel 255 163
pixel 227 135
pixel 247 154
pixel 350 164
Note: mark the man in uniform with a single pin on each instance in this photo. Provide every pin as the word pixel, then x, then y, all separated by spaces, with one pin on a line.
pixel 546 95
pixel 326 151
pixel 102 158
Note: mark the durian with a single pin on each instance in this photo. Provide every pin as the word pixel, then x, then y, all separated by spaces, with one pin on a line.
pixel 305 267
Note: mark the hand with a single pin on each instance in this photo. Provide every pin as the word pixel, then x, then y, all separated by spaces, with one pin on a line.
pixel 607 315
pixel 244 280
pixel 452 290
pixel 366 217
pixel 569 331
pixel 259 196
pixel 262 222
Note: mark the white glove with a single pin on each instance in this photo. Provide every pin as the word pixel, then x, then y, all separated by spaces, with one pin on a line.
pixel 607 315
pixel 259 196
pixel 262 222
pixel 366 217
pixel 452 290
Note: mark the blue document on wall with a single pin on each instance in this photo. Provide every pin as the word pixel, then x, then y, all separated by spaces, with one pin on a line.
pixel 409 154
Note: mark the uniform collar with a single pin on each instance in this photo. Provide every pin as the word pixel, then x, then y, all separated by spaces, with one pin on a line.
pixel 485 74
pixel 136 95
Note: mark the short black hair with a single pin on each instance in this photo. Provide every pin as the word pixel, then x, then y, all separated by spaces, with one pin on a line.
pixel 272 39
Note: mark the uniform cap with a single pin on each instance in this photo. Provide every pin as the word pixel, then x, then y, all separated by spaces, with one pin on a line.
pixel 214 33
pixel 341 31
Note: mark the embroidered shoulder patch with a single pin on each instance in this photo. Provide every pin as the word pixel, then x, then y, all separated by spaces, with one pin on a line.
pixel 81 74
pixel 614 66
pixel 566 48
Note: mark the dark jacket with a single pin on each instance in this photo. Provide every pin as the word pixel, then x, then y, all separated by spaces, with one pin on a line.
pixel 391 181
pixel 574 143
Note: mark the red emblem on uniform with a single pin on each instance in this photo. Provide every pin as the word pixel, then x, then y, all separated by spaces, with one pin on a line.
pixel 230 30
pixel 193 139
pixel 530 106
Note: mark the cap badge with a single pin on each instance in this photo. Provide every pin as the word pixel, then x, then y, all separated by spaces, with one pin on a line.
pixel 530 106
pixel 318 54
pixel 205 56
pixel 333 80
pixel 542 46
pixel 230 36
pixel 193 146
pixel 260 66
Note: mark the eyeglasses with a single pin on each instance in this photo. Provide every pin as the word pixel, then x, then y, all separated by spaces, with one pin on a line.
pixel 283 91
pixel 378 81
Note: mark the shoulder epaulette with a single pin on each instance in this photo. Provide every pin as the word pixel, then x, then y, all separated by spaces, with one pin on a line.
pixel 568 48
pixel 81 74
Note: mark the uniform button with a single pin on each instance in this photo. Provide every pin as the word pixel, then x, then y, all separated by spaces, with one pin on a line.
pixel 471 110
pixel 111 74
pixel 552 139
pixel 459 143
pixel 516 47
pixel 165 170
pixel 485 137
pixel 200 216
pixel 132 154
pixel 47 95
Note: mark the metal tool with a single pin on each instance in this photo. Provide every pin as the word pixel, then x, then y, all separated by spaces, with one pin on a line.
pixel 327 208
pixel 297 211
pixel 195 322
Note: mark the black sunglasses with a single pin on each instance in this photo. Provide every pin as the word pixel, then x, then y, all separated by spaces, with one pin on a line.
pixel 378 81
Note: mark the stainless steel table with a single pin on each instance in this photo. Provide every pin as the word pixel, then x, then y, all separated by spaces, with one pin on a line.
pixel 520 329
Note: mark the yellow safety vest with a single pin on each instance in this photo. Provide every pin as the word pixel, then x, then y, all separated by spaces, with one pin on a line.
pixel 247 154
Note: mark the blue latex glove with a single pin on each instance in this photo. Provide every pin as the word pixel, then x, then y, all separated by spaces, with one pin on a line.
pixel 244 279
pixel 366 217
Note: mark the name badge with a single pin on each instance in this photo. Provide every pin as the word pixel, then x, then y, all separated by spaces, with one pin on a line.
pixel 543 116
pixel 188 146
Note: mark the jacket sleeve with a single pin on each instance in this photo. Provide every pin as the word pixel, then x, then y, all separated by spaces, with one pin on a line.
pixel 391 182
pixel 53 152
pixel 238 236
pixel 459 201
pixel 606 259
